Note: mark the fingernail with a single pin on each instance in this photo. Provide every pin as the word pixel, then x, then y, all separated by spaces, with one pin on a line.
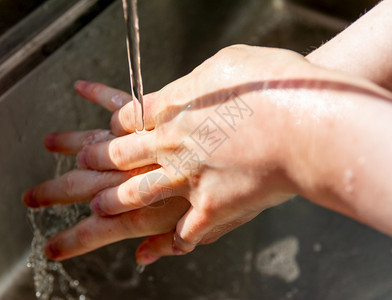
pixel 29 199
pixel 82 159
pixel 177 251
pixel 81 86
pixel 96 206
pixel 49 141
pixel 51 250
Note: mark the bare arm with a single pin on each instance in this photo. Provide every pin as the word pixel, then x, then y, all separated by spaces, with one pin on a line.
pixel 363 49
pixel 343 156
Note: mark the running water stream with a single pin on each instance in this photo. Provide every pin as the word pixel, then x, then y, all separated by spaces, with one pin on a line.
pixel 50 277
pixel 51 280
pixel 133 51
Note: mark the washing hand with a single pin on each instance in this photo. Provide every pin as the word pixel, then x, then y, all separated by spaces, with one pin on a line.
pixel 230 138
pixel 81 185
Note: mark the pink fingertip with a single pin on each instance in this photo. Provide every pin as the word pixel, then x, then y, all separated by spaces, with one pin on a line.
pixel 177 251
pixel 51 250
pixel 29 199
pixel 144 255
pixel 49 142
pixel 82 159
pixel 81 85
pixel 147 259
pixel 95 206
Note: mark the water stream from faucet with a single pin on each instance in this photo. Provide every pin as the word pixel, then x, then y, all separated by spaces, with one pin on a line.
pixel 50 277
pixel 133 50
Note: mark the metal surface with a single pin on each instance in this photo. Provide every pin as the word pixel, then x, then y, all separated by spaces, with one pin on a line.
pixel 37 36
pixel 294 251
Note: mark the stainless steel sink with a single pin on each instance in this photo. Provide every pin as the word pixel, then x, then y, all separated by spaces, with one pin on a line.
pixel 294 251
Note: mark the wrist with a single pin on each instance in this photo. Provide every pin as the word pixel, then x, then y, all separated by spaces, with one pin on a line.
pixel 341 159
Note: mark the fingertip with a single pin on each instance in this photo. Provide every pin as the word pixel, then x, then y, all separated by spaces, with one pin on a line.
pixel 81 86
pixel 81 158
pixel 29 199
pixel 50 141
pixel 115 124
pixel 95 205
pixel 180 247
pixel 146 259
pixel 52 251
pixel 177 251
pixel 144 255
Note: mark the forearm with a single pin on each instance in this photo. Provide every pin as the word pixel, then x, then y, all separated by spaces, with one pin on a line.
pixel 343 159
pixel 363 49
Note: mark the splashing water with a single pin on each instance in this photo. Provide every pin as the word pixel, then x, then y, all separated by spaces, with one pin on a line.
pixel 51 279
pixel 50 275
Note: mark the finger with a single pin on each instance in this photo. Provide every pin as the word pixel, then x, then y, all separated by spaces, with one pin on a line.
pixel 123 120
pixel 96 231
pixel 71 142
pixel 77 185
pixel 220 230
pixel 190 230
pixel 107 97
pixel 154 247
pixel 123 153
pixel 139 191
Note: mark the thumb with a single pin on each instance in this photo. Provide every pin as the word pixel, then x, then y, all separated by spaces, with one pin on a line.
pixel 190 230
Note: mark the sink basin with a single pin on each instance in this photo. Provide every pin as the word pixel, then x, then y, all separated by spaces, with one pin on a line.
pixel 295 251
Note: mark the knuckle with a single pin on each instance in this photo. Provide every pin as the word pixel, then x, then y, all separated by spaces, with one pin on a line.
pixel 207 209
pixel 167 140
pixel 96 136
pixel 232 49
pixel 226 56
pixel 119 99
pixel 106 209
pixel 84 237
pixel 116 154
pixel 95 88
pixel 182 245
pixel 115 125
pixel 226 52
pixel 125 119
pixel 130 223
pixel 69 185
pixel 185 239
pixel 130 197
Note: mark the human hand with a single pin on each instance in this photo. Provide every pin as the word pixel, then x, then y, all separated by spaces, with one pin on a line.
pixel 82 185
pixel 232 119
pixel 280 93
pixel 247 113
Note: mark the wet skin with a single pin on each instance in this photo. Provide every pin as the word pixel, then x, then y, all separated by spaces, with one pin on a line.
pixel 301 115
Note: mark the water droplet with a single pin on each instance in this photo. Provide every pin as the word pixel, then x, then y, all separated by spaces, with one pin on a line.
pixel 74 283
pixel 140 268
